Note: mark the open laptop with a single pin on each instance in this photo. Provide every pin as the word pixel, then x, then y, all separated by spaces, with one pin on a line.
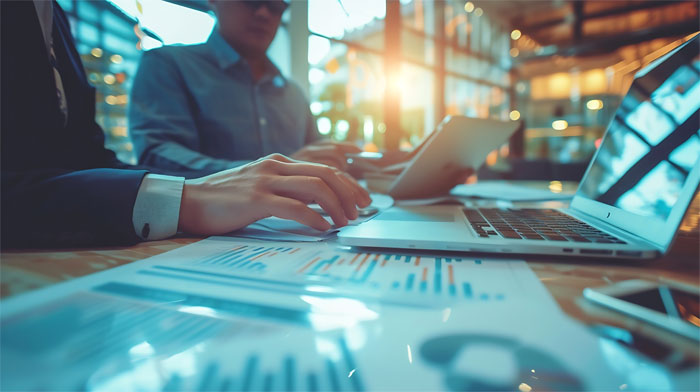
pixel 629 204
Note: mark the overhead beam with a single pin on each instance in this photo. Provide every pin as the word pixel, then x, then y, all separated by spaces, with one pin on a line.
pixel 606 44
pixel 533 28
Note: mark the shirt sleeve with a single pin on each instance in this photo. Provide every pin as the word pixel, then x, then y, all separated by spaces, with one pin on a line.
pixel 157 206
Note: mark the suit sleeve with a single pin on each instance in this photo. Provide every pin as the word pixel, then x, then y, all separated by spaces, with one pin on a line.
pixel 56 208
pixel 161 121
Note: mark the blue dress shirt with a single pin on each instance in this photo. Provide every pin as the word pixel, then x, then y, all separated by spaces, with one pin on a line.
pixel 197 108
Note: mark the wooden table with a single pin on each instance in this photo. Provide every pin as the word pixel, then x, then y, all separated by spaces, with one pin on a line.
pixel 24 270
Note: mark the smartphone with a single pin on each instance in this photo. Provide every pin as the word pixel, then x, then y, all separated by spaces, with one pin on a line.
pixel 674 307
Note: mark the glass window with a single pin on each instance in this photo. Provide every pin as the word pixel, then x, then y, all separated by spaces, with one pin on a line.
pixel 417 103
pixel 166 20
pixel 279 51
pixel 347 87
pixel 419 15
pixel 359 21
pixel 105 36
pixel 415 46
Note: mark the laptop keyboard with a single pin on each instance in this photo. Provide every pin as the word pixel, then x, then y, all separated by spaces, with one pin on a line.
pixel 534 224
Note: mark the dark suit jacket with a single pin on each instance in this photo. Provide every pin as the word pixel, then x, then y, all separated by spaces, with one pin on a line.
pixel 60 186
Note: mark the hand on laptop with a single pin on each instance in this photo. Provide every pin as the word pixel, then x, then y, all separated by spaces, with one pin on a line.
pixel 328 153
pixel 271 186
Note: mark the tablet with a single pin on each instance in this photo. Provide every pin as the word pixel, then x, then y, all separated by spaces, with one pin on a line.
pixel 458 143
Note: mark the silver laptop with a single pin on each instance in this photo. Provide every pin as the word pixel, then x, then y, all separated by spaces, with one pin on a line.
pixel 629 204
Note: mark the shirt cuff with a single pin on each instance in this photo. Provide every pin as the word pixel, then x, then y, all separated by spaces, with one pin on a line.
pixel 157 206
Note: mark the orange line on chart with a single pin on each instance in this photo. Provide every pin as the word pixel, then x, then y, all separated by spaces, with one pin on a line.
pixel 308 265
pixel 417 260
pixel 294 250
pixel 355 258
pixel 450 273
pixel 273 254
pixel 258 256
pixel 376 257
pixel 425 274
pixel 325 267
pixel 362 262
pixel 340 262
pixel 386 260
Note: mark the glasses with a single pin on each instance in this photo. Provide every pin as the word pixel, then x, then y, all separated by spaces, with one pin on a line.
pixel 276 7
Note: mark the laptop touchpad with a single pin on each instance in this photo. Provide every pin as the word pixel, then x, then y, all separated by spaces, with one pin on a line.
pixel 412 216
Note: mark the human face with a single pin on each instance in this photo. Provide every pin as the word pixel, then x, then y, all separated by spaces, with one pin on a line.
pixel 249 26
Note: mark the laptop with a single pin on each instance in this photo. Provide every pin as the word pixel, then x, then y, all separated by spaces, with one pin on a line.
pixel 629 203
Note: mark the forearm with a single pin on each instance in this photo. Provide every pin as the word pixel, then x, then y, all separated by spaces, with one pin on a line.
pixel 176 157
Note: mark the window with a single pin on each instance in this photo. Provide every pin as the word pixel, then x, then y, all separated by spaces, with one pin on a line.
pixel 451 61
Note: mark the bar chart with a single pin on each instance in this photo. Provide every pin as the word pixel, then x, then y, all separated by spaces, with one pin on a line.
pixel 441 276
pixel 99 334
pixel 379 274
pixel 245 257
pixel 287 372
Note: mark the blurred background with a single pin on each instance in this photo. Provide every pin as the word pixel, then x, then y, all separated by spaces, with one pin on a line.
pixel 383 73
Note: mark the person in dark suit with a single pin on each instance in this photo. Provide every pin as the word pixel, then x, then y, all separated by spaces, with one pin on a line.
pixel 62 187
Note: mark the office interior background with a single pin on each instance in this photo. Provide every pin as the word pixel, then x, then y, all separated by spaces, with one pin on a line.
pixel 383 73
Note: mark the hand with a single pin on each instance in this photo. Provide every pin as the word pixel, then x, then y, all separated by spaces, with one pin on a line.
pixel 271 186
pixel 328 153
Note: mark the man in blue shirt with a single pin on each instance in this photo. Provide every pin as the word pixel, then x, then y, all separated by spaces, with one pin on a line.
pixel 224 103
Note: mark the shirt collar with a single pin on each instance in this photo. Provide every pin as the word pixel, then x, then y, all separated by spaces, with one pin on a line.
pixel 227 57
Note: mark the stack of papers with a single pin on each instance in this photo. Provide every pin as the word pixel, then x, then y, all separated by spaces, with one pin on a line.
pixel 228 314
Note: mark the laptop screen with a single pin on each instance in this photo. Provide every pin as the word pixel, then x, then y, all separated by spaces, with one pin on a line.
pixel 653 141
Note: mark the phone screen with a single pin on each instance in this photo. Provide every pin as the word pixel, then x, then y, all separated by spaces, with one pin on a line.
pixel 673 302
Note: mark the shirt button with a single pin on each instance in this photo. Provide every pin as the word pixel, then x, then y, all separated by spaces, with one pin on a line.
pixel 263 121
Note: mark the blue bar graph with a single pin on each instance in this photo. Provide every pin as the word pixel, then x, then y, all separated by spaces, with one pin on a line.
pixel 438 275
pixel 323 263
pixel 289 373
pixel 225 256
pixel 249 373
pixel 210 374
pixel 409 281
pixel 334 376
pixel 268 382
pixel 355 378
pixel 243 257
pixel 312 382
pixel 366 274
pixel 467 290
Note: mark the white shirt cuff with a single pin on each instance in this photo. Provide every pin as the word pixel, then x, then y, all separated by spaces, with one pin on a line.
pixel 157 206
